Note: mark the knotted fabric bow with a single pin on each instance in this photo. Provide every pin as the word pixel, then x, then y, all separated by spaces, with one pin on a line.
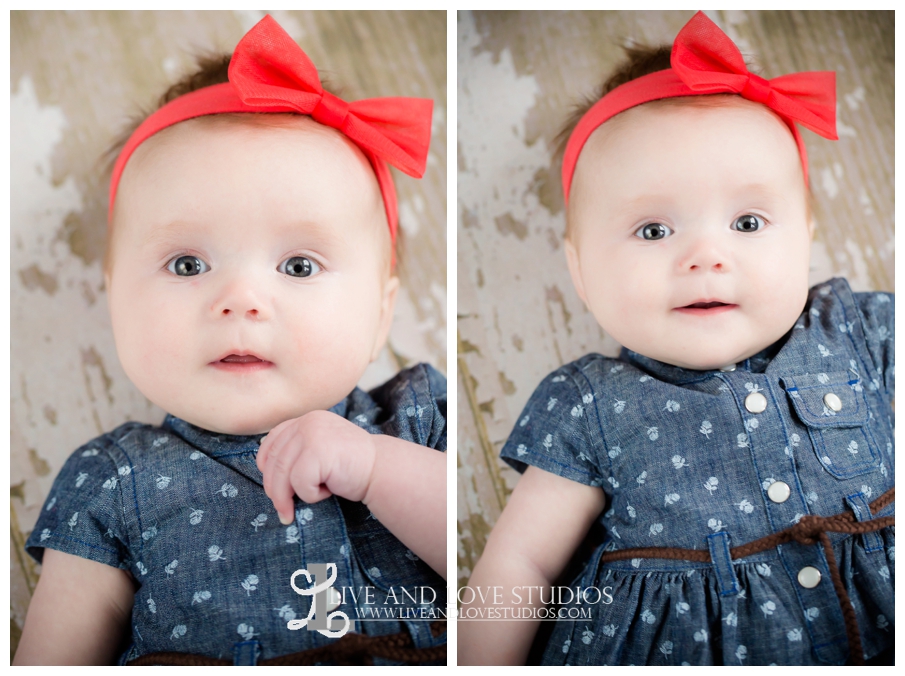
pixel 269 73
pixel 705 61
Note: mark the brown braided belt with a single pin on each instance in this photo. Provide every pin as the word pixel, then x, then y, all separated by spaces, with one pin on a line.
pixel 807 531
pixel 351 649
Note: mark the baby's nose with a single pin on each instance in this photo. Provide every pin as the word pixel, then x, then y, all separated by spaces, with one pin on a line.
pixel 704 255
pixel 240 300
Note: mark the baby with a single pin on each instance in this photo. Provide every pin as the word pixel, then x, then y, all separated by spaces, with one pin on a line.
pixel 739 455
pixel 250 283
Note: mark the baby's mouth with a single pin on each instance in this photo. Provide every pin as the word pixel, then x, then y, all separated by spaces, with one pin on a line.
pixel 706 308
pixel 240 359
pixel 241 363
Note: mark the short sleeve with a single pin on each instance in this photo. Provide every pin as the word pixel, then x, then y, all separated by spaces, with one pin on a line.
pixel 878 313
pixel 412 405
pixel 83 514
pixel 552 432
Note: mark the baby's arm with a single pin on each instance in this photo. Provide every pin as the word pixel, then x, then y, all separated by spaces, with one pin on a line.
pixel 402 483
pixel 78 615
pixel 542 525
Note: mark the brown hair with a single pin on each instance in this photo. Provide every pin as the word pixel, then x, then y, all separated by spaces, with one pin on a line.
pixel 639 60
pixel 210 69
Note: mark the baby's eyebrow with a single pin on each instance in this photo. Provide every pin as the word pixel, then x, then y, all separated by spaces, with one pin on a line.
pixel 313 232
pixel 173 232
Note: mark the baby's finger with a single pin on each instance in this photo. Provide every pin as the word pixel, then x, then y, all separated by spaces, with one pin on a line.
pixel 279 487
pixel 268 442
pixel 280 456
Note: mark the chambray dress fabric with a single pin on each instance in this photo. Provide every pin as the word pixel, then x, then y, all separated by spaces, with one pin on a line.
pixel 684 464
pixel 184 511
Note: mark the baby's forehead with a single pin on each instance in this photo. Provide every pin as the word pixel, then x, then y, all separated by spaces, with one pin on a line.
pixel 239 173
pixel 275 157
pixel 673 134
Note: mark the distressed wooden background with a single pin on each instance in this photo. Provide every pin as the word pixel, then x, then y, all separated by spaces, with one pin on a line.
pixel 518 316
pixel 76 77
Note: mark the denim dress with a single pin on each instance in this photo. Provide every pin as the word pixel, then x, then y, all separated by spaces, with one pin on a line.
pixel 184 511
pixel 710 460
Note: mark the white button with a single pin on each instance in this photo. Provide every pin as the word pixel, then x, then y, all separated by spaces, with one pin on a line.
pixel 728 369
pixel 808 577
pixel 779 491
pixel 334 599
pixel 832 401
pixel 756 402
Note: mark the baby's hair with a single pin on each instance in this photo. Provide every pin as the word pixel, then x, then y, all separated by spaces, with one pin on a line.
pixel 210 69
pixel 639 60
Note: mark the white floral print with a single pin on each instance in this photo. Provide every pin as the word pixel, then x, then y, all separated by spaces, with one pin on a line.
pixel 286 613
pixel 250 584
pixel 246 631
pixel 228 491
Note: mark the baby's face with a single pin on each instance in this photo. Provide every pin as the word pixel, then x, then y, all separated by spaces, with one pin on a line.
pixel 690 231
pixel 249 281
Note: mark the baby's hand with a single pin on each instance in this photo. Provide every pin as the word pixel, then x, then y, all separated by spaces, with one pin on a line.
pixel 315 456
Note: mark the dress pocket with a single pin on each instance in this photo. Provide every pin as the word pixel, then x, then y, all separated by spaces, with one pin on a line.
pixel 833 407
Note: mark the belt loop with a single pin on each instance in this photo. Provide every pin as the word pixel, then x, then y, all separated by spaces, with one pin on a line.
pixel 246 653
pixel 722 563
pixel 858 503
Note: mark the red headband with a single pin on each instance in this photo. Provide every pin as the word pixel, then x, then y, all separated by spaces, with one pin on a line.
pixel 269 73
pixel 705 61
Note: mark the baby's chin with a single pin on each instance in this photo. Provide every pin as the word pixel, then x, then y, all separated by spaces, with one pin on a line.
pixel 242 423
pixel 705 358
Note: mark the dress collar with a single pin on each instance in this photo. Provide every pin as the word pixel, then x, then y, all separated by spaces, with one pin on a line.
pixel 757 363
pixel 211 443
pixel 220 445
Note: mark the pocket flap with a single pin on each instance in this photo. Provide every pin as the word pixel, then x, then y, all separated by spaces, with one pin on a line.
pixel 812 395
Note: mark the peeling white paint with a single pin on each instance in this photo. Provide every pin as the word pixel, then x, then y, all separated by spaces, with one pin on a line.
pixel 58 326
pixel 828 183
pixel 855 98
pixel 408 219
pixel 864 201
pixel 843 129
pixel 858 274
pixel 171 67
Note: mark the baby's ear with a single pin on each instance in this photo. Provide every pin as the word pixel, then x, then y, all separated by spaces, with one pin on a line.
pixel 575 270
pixel 387 307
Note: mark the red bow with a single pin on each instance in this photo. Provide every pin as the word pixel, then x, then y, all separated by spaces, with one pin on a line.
pixel 708 62
pixel 705 61
pixel 269 73
pixel 269 69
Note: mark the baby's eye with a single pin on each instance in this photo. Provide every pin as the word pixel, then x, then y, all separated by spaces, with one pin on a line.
pixel 187 266
pixel 299 266
pixel 653 231
pixel 748 223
